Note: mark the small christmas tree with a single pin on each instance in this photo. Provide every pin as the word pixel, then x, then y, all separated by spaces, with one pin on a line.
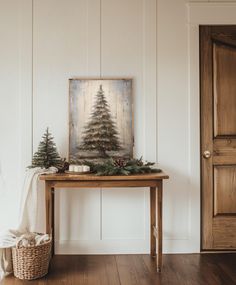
pixel 100 133
pixel 47 154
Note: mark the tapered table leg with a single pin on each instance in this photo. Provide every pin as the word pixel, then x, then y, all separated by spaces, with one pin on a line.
pixel 153 212
pixel 159 232
pixel 53 220
pixel 49 207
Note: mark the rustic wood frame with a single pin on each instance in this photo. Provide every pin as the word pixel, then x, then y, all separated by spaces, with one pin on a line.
pixel 103 78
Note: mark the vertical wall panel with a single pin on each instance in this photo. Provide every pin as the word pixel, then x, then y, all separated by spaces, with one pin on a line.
pixel 150 79
pixel 173 119
pixel 9 100
pixel 122 53
pixel 128 48
pixel 15 101
pixel 25 83
pixel 60 52
pixel 123 214
pixel 66 45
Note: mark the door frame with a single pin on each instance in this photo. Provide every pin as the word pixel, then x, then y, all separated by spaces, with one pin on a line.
pixel 201 14
pixel 207 224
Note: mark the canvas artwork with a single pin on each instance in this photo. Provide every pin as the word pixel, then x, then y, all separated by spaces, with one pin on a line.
pixel 101 120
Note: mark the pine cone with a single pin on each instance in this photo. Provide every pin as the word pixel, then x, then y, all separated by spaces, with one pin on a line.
pixel 63 167
pixel 140 161
pixel 120 162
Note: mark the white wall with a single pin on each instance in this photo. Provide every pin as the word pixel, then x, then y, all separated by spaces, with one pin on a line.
pixel 15 103
pixel 46 42
pixel 181 228
pixel 76 38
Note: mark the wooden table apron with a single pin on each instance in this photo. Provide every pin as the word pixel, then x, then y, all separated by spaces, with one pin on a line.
pixel 153 181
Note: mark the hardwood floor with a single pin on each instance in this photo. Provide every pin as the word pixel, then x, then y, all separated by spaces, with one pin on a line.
pixel 178 269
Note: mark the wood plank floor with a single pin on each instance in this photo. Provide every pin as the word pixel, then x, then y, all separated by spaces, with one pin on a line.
pixel 178 269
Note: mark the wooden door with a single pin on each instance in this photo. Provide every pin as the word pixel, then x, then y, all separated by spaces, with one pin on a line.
pixel 218 136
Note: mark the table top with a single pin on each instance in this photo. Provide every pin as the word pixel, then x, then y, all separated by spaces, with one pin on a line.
pixel 93 177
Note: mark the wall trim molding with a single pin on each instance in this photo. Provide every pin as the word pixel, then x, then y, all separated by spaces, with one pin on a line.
pixel 211 13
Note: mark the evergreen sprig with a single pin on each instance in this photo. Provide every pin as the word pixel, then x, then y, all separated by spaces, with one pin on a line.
pixel 122 167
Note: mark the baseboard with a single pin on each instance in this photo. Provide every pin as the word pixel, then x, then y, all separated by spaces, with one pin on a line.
pixel 138 246
pixel 100 247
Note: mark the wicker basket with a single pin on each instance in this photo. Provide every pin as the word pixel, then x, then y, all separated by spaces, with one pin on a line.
pixel 31 262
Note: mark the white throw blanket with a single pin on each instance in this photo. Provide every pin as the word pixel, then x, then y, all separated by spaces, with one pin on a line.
pixel 27 217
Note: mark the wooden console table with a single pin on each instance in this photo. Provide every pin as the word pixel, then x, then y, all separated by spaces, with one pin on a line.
pixel 152 180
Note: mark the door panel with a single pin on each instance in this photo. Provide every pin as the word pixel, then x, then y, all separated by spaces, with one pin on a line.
pixel 218 136
pixel 224 190
pixel 224 233
pixel 224 151
pixel 224 71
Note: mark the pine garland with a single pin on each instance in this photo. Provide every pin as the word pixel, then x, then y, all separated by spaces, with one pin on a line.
pixel 122 167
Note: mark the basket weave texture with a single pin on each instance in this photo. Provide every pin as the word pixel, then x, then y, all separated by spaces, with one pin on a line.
pixel 31 262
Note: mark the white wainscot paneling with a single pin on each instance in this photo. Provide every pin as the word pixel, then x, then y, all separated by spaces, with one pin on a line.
pixel 79 214
pixel 110 38
pixel 66 45
pixel 128 48
pixel 123 213
pixel 15 99
pixel 9 102
pixel 177 126
pixel 68 42
pixel 64 31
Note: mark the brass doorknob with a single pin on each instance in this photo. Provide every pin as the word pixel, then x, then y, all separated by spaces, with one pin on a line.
pixel 206 154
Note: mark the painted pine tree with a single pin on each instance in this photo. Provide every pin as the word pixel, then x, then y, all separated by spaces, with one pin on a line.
pixel 47 154
pixel 100 133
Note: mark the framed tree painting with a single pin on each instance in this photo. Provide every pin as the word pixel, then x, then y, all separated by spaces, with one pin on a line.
pixel 100 119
